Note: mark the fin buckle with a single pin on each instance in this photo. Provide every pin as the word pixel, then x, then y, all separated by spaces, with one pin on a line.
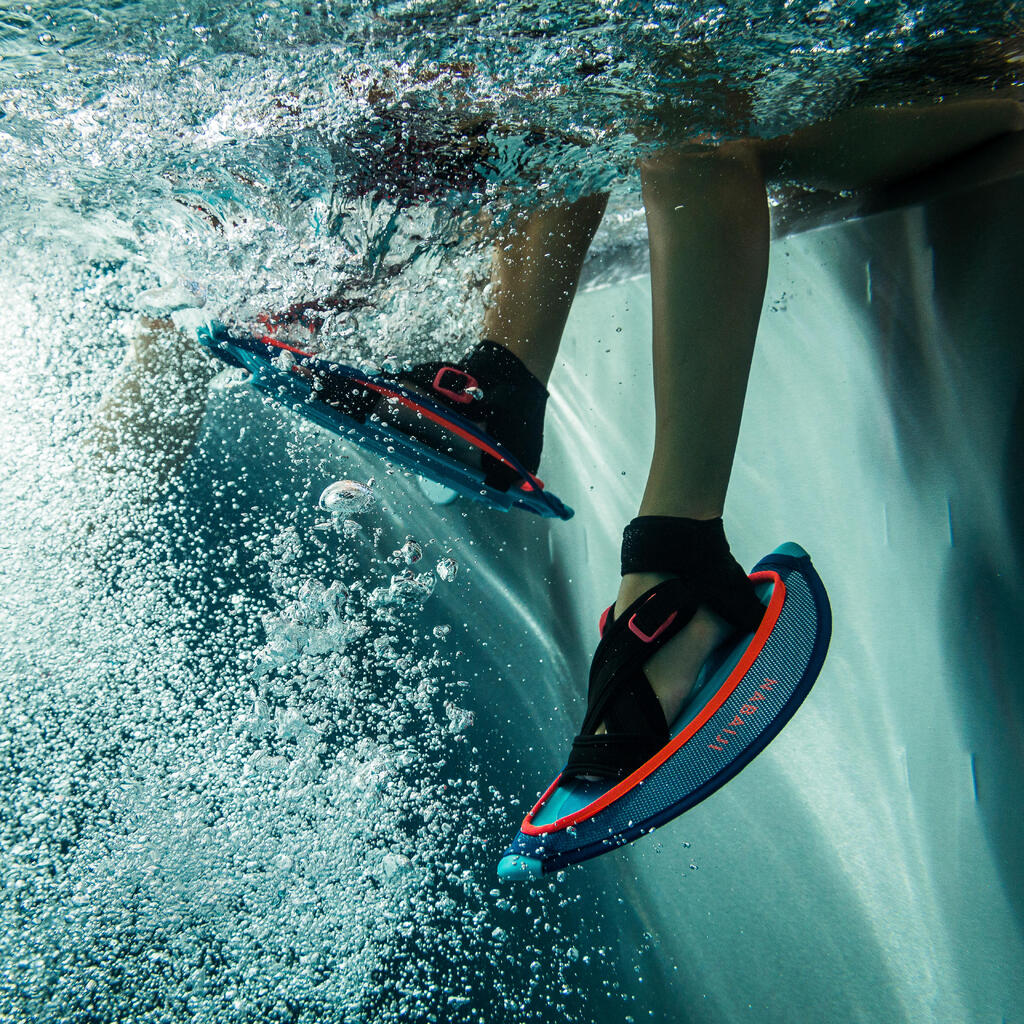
pixel 469 390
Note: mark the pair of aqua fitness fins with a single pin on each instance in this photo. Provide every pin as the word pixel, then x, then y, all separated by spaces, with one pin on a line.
pixel 747 690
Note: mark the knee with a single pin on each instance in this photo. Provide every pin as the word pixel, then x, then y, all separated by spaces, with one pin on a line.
pixel 742 153
pixel 726 170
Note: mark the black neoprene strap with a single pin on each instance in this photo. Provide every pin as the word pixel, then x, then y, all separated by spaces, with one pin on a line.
pixel 695 550
pixel 511 410
pixel 514 404
pixel 619 695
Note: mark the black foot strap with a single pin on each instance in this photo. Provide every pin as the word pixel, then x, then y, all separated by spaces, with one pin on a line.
pixel 619 694
pixel 697 551
pixel 494 388
pixel 491 386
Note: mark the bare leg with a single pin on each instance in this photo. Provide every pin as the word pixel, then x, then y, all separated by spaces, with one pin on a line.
pixel 707 217
pixel 708 223
pixel 871 145
pixel 535 271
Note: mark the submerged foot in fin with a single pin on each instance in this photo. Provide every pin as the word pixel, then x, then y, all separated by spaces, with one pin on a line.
pixel 474 427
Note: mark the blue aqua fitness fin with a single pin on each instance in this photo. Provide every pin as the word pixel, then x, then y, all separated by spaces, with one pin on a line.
pixel 746 692
pixel 287 374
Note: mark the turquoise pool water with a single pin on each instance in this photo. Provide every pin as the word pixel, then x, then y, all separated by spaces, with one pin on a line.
pixel 259 762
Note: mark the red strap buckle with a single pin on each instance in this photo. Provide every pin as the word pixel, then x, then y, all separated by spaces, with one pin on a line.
pixel 467 380
pixel 649 638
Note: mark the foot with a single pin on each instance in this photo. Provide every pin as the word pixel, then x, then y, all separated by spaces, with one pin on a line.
pixel 672 671
pixel 414 423
pixel 494 390
pixel 666 624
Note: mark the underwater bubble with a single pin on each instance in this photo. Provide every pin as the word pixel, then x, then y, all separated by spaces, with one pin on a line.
pixel 230 377
pixel 370 779
pixel 410 552
pixel 286 545
pixel 391 363
pixel 279 650
pixel 441 631
pixel 459 719
pixel 409 588
pixel 312 606
pixel 384 649
pixel 346 496
pixel 395 864
pixel 309 616
pixel 334 598
pixel 447 568
pixel 182 294
pixel 311 592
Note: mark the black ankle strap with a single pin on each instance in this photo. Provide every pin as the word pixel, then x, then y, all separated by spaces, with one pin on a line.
pixel 514 403
pixel 492 363
pixel 697 551
pixel 672 544
pixel 511 403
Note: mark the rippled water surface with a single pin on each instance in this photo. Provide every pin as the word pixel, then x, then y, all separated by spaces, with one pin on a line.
pixel 287 152
pixel 253 765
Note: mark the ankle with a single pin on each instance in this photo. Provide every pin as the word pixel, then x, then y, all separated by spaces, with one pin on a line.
pixel 513 401
pixel 537 354
pixel 696 551
pixel 633 585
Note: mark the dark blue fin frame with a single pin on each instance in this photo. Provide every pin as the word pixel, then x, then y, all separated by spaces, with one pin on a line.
pixel 283 385
pixel 747 691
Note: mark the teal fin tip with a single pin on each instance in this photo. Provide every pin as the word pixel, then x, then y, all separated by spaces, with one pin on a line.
pixel 791 549
pixel 516 867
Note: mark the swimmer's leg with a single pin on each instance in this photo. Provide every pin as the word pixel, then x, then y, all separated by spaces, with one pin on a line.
pixel 871 146
pixel 535 270
pixel 707 217
pixel 534 273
